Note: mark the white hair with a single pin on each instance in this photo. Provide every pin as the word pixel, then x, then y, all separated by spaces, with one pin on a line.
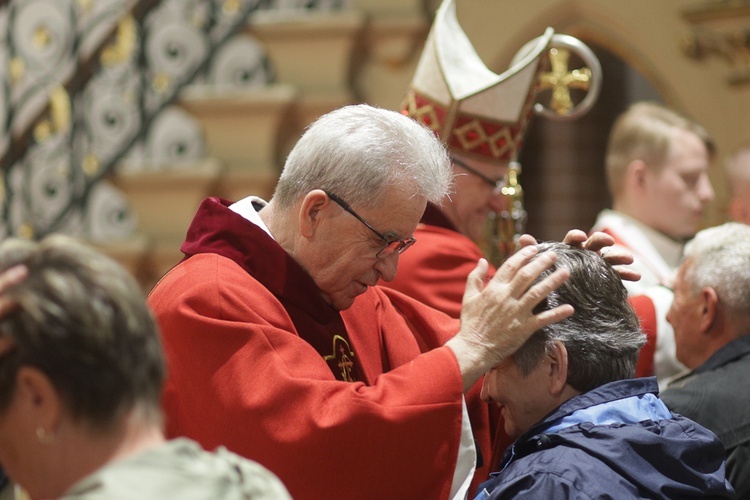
pixel 359 151
pixel 719 258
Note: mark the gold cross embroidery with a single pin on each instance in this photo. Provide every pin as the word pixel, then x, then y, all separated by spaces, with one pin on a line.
pixel 344 358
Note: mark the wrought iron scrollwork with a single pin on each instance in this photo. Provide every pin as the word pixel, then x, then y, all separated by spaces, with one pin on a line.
pixel 85 83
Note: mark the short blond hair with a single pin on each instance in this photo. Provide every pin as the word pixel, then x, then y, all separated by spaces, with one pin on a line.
pixel 644 132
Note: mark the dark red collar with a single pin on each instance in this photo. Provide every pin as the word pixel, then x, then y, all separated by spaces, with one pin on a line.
pixel 433 216
pixel 217 229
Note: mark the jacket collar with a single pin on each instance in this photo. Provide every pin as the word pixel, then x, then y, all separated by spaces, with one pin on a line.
pixel 735 349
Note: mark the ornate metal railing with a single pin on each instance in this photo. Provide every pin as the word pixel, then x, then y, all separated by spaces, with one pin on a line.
pixel 81 81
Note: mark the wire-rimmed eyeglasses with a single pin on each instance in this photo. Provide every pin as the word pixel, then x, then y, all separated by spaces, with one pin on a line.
pixel 391 246
pixel 497 185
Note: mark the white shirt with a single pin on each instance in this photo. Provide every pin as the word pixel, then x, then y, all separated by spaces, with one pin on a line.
pixel 656 255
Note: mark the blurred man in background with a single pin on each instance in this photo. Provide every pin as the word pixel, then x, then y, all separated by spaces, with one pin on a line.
pixel 657 171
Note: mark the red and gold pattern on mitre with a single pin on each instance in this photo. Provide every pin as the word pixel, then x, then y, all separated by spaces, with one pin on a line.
pixel 472 109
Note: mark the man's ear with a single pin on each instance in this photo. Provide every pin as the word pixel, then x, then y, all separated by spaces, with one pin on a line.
pixel 310 211
pixel 637 172
pixel 40 400
pixel 557 355
pixel 709 303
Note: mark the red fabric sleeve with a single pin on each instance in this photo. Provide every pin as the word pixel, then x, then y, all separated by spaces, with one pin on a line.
pixel 646 312
pixel 239 376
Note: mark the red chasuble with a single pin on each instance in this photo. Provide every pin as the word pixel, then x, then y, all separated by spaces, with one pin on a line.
pixel 247 335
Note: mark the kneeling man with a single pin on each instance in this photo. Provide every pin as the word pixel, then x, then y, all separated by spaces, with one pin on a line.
pixel 584 427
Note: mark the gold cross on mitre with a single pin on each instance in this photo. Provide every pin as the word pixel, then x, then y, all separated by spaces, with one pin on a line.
pixel 560 80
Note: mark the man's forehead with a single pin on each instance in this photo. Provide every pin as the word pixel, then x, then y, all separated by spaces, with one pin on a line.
pixel 398 215
pixel 686 143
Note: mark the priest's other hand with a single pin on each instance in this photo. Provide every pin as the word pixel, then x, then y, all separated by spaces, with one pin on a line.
pixel 617 257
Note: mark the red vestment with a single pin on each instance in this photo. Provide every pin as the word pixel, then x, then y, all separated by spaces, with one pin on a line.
pixel 434 272
pixel 232 317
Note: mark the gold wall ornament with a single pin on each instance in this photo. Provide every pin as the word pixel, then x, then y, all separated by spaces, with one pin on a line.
pixel 231 7
pixel 85 5
pixel 42 131
pixel 91 164
pixel 60 112
pixel 58 117
pixel 161 83
pixel 42 37
pixel 72 43
pixel 26 231
pixel 16 70
pixel 720 29
pixel 122 48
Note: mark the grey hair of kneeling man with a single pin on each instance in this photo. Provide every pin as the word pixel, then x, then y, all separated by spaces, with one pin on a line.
pixel 719 257
pixel 602 337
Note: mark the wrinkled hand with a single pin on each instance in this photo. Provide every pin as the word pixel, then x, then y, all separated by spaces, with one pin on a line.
pixel 601 243
pixel 497 317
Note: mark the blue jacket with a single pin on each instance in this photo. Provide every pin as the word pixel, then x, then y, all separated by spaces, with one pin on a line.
pixel 617 441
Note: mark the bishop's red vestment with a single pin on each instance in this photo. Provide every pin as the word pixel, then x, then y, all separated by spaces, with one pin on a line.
pixel 258 361
pixel 435 269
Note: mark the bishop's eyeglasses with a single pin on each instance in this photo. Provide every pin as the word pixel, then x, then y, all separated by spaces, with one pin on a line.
pixel 391 246
pixel 497 185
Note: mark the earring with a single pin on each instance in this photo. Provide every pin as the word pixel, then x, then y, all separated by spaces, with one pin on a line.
pixel 44 436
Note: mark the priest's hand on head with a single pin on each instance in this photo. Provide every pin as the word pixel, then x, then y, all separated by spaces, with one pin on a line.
pixel 617 257
pixel 497 314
